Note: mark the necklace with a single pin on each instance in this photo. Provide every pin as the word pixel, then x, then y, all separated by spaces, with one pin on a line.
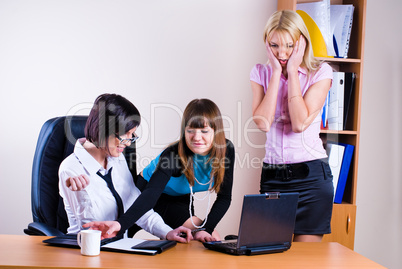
pixel 203 184
pixel 192 196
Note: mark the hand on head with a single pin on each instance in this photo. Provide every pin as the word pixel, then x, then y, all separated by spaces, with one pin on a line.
pixel 272 58
pixel 296 58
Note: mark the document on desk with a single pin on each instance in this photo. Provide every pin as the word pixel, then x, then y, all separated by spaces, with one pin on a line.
pixel 126 245
pixel 116 244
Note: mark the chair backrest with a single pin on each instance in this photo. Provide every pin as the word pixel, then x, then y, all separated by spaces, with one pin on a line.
pixel 56 141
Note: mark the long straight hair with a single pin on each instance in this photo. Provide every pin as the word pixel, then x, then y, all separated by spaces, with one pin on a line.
pixel 198 114
pixel 289 21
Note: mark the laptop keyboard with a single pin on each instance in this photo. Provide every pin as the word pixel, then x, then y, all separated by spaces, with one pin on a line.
pixel 228 244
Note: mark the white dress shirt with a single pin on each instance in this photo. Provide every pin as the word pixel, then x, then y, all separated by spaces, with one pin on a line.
pixel 96 202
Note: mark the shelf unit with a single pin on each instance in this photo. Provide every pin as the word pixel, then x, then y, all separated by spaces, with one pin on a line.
pixel 344 215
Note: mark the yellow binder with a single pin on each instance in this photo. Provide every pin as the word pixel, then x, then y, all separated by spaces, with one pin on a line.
pixel 317 40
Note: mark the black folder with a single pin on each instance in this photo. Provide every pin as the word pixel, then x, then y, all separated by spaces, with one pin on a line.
pixel 158 245
pixel 117 244
pixel 348 98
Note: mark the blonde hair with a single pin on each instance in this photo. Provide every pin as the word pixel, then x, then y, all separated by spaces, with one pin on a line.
pixel 288 21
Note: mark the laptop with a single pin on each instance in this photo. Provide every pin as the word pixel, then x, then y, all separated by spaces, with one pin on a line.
pixel 266 225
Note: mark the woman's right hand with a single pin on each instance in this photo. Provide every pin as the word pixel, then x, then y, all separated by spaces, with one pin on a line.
pixel 180 234
pixel 108 228
pixel 272 59
pixel 77 183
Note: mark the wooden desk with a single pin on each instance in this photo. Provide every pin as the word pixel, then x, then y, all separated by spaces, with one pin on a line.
pixel 22 251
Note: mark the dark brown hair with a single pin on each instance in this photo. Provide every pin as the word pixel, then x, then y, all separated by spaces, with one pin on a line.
pixel 111 114
pixel 198 114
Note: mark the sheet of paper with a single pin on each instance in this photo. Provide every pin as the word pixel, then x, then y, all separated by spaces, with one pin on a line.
pixel 126 244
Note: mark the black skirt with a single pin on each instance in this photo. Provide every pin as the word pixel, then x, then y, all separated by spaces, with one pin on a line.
pixel 313 181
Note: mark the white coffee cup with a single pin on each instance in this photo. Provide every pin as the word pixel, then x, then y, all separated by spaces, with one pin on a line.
pixel 89 241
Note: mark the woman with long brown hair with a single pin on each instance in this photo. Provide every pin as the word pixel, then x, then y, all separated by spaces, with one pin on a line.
pixel 202 160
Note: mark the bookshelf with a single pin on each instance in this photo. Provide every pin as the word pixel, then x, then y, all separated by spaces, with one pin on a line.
pixel 344 214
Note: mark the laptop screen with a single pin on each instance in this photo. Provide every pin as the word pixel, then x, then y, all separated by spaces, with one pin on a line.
pixel 267 219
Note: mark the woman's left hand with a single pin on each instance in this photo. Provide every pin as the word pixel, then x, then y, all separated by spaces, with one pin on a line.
pixel 296 58
pixel 203 236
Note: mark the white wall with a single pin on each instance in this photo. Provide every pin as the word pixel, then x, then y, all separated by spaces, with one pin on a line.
pixel 379 197
pixel 57 56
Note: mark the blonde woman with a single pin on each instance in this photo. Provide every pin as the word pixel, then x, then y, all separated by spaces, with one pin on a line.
pixel 288 94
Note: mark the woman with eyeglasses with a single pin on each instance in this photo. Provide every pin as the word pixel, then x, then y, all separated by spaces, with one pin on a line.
pixel 201 161
pixel 98 163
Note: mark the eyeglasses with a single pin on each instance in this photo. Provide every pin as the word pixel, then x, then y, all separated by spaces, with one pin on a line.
pixel 125 141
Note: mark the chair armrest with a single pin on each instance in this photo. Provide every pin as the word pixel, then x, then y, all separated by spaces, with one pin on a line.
pixel 39 228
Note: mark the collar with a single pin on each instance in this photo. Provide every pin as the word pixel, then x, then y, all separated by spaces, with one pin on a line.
pixel 90 164
pixel 302 70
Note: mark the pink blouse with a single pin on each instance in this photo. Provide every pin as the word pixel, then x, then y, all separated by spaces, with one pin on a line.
pixel 283 145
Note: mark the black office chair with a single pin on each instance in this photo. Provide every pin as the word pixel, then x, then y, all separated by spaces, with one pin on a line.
pixel 56 141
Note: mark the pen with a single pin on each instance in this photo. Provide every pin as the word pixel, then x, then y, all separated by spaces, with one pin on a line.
pixel 193 232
